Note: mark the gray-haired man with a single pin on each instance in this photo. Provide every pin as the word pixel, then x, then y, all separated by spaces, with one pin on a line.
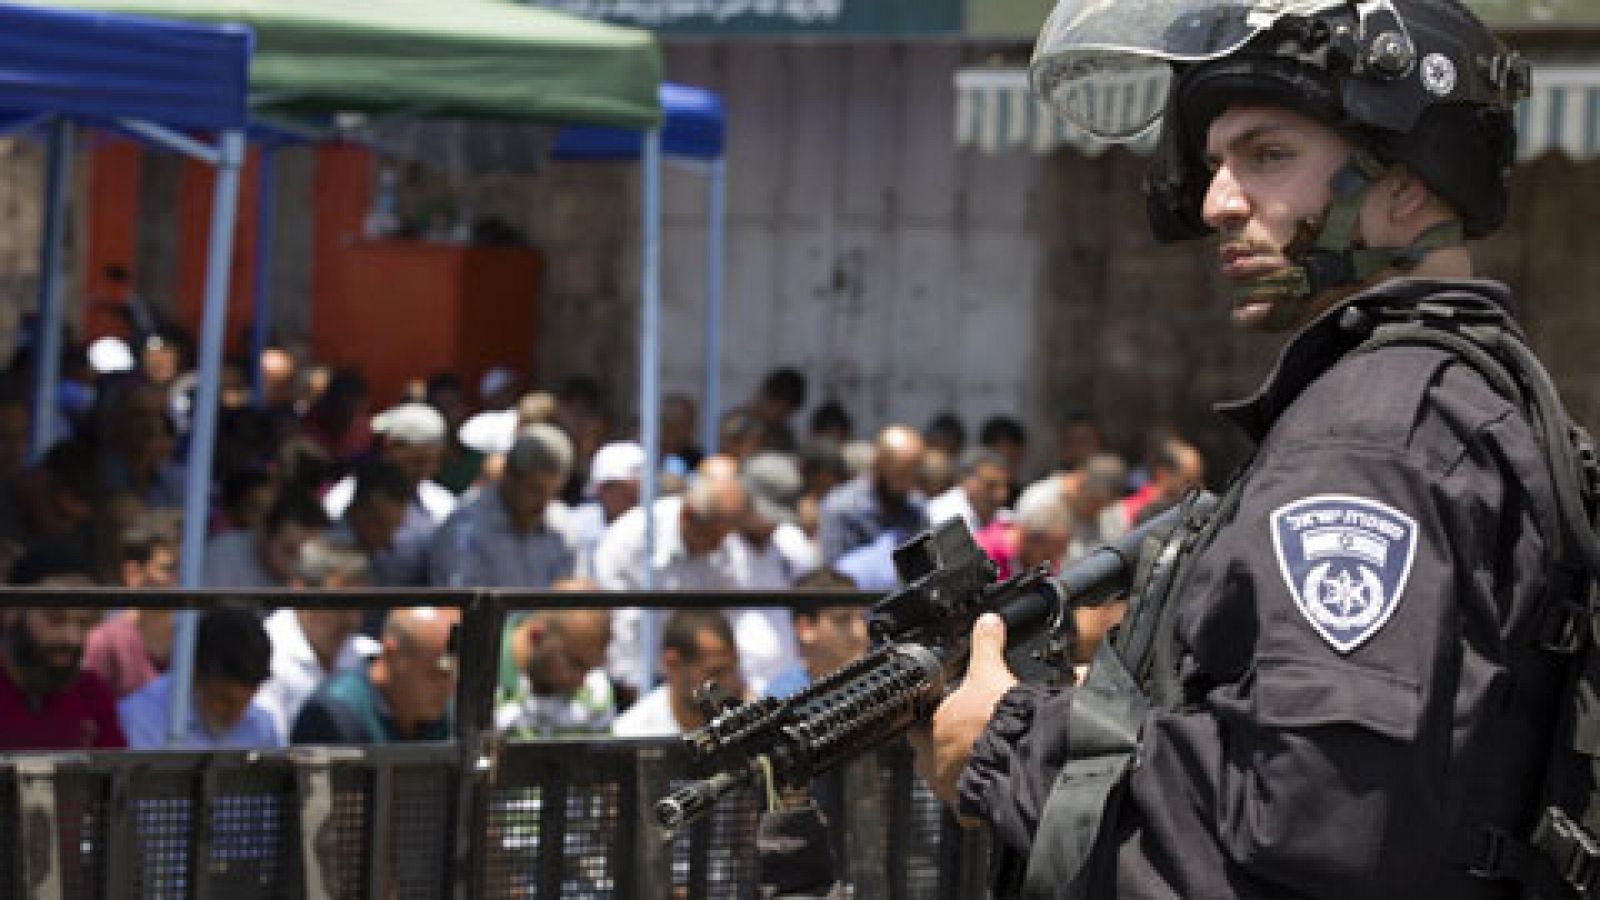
pixel 512 533
pixel 690 553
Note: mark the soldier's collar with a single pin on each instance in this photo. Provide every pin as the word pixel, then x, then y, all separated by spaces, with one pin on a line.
pixel 1317 346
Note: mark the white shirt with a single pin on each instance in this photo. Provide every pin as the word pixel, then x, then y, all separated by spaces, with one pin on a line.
pixel 765 635
pixel 951 504
pixel 802 553
pixel 585 525
pixel 650 717
pixel 765 638
pixel 619 565
pixel 296 672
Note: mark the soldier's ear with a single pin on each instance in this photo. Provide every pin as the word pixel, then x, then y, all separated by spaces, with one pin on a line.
pixel 1407 197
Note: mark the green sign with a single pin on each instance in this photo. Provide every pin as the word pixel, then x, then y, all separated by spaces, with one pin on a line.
pixel 1020 19
pixel 763 18
pixel 1008 19
pixel 1538 13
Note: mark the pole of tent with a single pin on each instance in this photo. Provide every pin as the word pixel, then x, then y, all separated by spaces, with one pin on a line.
pixel 712 414
pixel 47 339
pixel 197 487
pixel 649 384
pixel 261 289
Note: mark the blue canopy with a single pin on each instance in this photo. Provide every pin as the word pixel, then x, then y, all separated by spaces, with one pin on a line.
pixel 693 128
pixel 163 81
pixel 103 67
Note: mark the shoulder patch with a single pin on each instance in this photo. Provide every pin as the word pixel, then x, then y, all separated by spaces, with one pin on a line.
pixel 1345 560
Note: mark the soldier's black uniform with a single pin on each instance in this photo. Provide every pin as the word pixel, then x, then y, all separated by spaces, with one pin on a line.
pixel 1363 688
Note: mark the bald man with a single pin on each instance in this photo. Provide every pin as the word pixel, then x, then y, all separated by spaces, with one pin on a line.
pixel 882 501
pixel 552 676
pixel 277 377
pixel 403 695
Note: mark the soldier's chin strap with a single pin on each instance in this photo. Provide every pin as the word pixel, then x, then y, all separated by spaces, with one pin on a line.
pixel 1328 253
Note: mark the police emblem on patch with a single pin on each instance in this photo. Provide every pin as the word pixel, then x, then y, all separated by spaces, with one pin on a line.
pixel 1346 560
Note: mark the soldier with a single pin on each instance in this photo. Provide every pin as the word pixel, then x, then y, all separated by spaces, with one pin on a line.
pixel 1353 696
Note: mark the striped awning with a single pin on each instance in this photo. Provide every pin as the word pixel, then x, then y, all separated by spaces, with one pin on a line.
pixel 997 113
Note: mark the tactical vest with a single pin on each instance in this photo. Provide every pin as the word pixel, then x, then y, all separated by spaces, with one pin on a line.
pixel 1134 672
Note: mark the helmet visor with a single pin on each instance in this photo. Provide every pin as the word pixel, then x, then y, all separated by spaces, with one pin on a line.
pixel 1105 64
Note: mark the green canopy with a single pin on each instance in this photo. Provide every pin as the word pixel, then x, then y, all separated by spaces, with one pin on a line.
pixel 427 58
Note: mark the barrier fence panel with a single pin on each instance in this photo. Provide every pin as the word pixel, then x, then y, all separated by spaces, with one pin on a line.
pixel 10 839
pixel 564 819
pixel 469 818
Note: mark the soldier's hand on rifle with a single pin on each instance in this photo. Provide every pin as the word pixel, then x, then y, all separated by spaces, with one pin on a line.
pixel 943 745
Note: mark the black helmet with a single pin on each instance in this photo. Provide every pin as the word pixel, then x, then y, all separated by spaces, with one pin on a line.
pixel 1419 82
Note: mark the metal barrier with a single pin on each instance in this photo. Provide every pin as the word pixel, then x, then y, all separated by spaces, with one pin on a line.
pixel 475 817
pixel 560 819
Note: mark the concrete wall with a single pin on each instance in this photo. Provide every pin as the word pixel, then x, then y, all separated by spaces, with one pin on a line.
pixel 1547 252
pixel 1137 331
pixel 863 248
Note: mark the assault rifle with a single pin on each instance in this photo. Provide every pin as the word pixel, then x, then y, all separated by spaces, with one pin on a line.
pixel 921 635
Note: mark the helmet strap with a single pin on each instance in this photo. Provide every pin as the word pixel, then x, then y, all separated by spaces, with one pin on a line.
pixel 1329 255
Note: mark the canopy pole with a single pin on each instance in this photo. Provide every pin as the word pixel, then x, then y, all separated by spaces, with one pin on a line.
pixel 266 194
pixel 173 140
pixel 711 416
pixel 197 487
pixel 650 387
pixel 48 325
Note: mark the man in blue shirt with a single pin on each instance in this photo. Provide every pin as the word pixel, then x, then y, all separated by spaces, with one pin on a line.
pixel 858 512
pixel 513 534
pixel 232 657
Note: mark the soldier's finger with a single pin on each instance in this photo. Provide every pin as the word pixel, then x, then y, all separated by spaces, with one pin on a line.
pixel 988 644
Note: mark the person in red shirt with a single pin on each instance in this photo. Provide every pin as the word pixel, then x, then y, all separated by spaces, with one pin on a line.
pixel 47 700
pixel 1175 467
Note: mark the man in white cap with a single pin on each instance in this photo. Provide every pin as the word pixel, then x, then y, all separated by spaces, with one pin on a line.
pixel 613 489
pixel 111 356
pixel 411 439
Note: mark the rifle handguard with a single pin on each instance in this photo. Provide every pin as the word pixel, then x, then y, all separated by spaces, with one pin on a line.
pixel 923 631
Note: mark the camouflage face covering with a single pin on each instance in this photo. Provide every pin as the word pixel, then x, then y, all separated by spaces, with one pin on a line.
pixel 1328 253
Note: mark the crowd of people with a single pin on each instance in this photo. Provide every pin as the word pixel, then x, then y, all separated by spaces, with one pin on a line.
pixel 512 488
